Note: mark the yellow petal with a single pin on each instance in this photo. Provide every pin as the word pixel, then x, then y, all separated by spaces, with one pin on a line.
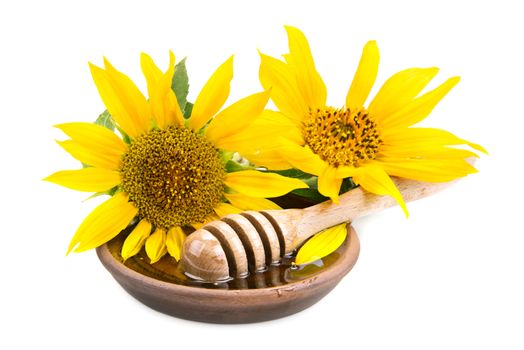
pixel 322 244
pixel 269 158
pixel 87 179
pixel 162 99
pixel 156 245
pixel 234 119
pixel 418 109
pixel 134 99
pixel 275 123
pixel 309 81
pixel 103 223
pixel 276 75
pixel 364 77
pixel 112 101
pixel 151 72
pixel 123 100
pixel 373 178
pixel 426 151
pixel 98 139
pixel 244 202
pixel 90 156
pixel 258 143
pixel 399 90
pixel 329 183
pixel 136 239
pixel 345 171
pixel 429 170
pixel 261 185
pixel 302 157
pixel 417 137
pixel 174 242
pixel 213 95
pixel 172 113
pixel 223 209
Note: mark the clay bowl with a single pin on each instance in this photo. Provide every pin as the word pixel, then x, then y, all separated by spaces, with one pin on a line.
pixel 234 305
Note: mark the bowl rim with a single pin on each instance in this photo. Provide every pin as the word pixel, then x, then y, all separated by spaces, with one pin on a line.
pixel 334 272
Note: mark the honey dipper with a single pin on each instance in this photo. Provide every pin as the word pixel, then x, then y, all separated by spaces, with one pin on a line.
pixel 250 241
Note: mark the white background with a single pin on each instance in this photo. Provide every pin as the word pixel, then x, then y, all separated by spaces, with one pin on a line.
pixel 449 277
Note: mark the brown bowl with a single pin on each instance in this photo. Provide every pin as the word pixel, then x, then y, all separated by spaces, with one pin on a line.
pixel 233 305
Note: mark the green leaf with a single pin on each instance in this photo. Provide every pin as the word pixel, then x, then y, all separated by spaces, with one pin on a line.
pixel 232 166
pixel 188 110
pixel 106 120
pixel 322 244
pixel 347 185
pixel 110 192
pixel 311 194
pixel 180 84
pixel 294 173
pixel 125 136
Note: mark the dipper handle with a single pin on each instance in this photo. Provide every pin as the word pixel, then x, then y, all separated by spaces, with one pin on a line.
pixel 250 241
pixel 297 225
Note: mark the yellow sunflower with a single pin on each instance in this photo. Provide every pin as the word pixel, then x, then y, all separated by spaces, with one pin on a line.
pixel 368 144
pixel 166 172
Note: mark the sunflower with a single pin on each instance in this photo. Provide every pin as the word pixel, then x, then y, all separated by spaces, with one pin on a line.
pixel 165 172
pixel 367 144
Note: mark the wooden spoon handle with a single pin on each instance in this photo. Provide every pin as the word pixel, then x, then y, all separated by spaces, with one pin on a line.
pixel 297 225
pixel 359 203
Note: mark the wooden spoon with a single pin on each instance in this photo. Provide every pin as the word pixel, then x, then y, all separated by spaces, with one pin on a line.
pixel 250 241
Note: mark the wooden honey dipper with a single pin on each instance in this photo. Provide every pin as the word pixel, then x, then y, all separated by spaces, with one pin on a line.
pixel 250 241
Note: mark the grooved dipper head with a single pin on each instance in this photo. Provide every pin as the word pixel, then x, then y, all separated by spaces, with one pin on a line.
pixel 203 257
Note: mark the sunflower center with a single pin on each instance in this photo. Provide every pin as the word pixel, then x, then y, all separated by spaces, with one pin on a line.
pixel 173 176
pixel 342 136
